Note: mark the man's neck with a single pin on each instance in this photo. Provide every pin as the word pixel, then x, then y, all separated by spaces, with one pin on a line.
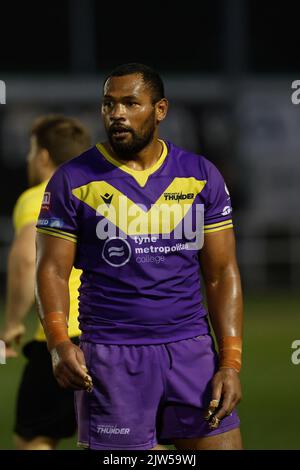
pixel 47 174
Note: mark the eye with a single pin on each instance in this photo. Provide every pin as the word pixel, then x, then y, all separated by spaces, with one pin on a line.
pixel 107 104
pixel 132 104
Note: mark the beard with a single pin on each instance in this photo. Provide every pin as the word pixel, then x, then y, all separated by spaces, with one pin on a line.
pixel 135 142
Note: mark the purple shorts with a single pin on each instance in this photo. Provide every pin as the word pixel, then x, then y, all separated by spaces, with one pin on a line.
pixel 147 394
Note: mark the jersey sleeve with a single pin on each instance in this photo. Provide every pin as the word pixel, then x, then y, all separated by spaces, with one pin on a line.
pixel 58 215
pixel 217 206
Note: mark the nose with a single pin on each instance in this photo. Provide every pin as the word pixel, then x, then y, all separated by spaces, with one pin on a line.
pixel 117 112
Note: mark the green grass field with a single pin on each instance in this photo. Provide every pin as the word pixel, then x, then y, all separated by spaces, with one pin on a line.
pixel 269 411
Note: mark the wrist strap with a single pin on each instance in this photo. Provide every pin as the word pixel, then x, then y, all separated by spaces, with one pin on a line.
pixel 230 351
pixel 56 328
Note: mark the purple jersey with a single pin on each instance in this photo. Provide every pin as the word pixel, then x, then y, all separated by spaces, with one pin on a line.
pixel 137 235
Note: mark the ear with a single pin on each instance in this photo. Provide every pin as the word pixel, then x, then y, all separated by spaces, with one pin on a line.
pixel 44 157
pixel 161 109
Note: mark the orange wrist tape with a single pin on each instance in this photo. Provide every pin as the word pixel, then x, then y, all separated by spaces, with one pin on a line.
pixel 230 351
pixel 56 328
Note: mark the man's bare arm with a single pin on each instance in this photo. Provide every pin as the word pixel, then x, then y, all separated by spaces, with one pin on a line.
pixel 54 262
pixel 55 258
pixel 222 283
pixel 225 306
pixel 20 286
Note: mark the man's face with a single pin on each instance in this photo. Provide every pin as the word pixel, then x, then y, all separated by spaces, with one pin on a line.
pixel 33 162
pixel 128 114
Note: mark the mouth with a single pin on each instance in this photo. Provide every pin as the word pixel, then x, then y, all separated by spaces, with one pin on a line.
pixel 119 131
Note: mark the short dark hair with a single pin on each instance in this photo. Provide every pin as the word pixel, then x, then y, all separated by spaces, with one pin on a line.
pixel 63 137
pixel 150 77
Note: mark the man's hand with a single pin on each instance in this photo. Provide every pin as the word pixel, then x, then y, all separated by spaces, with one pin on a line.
pixel 226 394
pixel 12 334
pixel 69 367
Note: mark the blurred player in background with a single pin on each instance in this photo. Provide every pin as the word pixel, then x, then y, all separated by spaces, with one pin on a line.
pixel 45 412
pixel 146 341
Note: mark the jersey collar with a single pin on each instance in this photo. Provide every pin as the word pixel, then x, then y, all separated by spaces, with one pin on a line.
pixel 141 176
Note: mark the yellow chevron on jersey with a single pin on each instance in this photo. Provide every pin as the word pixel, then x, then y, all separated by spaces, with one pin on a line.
pixel 133 218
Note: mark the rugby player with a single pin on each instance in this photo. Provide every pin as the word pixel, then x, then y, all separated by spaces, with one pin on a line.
pixel 45 412
pixel 131 210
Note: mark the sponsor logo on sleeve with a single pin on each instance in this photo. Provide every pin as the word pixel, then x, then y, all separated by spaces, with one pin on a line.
pixel 53 222
pixel 46 201
pixel 226 210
